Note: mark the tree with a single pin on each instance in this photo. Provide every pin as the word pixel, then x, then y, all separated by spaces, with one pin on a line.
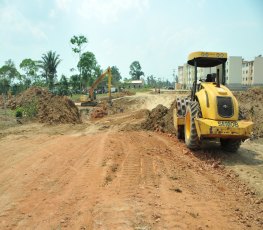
pixel 151 82
pixel 74 82
pixel 89 67
pixel 64 82
pixel 136 70
pixel 63 86
pixel 49 64
pixel 78 43
pixel 8 72
pixel 116 76
pixel 30 69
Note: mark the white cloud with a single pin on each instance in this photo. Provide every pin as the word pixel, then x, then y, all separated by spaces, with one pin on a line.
pixel 52 13
pixel 102 10
pixel 12 21
pixel 64 5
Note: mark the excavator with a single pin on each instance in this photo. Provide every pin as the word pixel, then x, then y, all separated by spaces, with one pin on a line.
pixel 212 111
pixel 90 100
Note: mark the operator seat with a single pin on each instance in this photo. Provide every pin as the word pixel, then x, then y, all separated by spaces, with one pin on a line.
pixel 209 78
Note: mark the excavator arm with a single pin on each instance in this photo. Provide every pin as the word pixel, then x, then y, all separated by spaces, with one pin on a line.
pixel 98 80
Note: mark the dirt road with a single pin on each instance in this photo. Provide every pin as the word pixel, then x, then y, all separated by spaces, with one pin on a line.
pixel 99 175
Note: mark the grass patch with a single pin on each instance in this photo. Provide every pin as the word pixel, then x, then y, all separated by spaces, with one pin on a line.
pixel 7 118
pixel 28 110
pixel 140 90
pixel 75 97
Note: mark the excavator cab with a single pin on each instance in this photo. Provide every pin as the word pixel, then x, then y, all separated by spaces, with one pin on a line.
pixel 90 100
pixel 212 111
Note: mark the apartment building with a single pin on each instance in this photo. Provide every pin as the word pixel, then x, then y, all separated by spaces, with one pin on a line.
pixel 258 71
pixel 239 73
pixel 247 72
pixel 186 74
pixel 234 72
pixel 202 72
pixel 180 74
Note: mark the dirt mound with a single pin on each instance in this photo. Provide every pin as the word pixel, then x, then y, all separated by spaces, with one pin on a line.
pixel 251 104
pixel 168 119
pixel 125 93
pixel 1 101
pixel 99 112
pixel 49 108
pixel 155 120
pixel 161 119
pixel 5 100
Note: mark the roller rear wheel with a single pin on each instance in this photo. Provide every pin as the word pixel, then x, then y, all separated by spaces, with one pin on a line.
pixel 181 104
pixel 191 137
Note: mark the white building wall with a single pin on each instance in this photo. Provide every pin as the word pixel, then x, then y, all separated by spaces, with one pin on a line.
pixel 202 72
pixel 190 76
pixel 244 72
pixel 185 71
pixel 238 72
pixel 180 74
pixel 247 72
pixel 257 77
pixel 234 71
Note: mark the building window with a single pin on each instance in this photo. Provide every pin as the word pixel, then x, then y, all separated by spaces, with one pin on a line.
pixel 246 71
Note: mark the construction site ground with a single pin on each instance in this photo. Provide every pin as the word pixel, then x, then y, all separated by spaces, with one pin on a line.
pixel 108 173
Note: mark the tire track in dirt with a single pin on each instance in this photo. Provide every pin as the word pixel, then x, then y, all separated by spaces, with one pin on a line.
pixel 117 180
pixel 124 206
pixel 117 205
pixel 75 173
pixel 201 186
pixel 156 186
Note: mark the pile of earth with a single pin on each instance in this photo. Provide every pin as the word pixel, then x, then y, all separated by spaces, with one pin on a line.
pixel 50 108
pixel 251 105
pixel 4 99
pixel 160 119
pixel 123 93
pixel 121 104
pixel 99 112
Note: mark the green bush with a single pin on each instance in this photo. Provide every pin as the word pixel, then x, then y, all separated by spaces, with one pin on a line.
pixel 19 112
pixel 28 109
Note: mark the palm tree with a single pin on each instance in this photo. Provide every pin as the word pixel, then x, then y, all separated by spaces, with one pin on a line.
pixel 49 64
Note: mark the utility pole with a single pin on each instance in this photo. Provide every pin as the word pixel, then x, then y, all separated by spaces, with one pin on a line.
pixel 174 77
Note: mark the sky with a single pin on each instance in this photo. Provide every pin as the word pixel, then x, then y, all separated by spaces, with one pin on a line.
pixel 158 34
